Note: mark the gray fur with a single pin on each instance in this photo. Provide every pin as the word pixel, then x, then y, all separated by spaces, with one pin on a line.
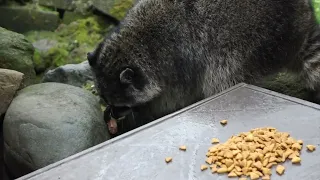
pixel 183 51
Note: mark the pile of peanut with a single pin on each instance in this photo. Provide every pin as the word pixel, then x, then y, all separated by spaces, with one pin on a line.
pixel 254 153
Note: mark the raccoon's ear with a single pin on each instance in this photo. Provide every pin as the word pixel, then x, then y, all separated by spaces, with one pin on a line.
pixel 91 57
pixel 126 76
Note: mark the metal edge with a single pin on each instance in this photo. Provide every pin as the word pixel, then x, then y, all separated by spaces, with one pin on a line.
pixel 153 123
pixel 283 96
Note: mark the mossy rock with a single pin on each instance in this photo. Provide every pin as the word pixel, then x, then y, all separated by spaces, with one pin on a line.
pixel 71 16
pixel 120 8
pixel 115 8
pixel 61 4
pixel 73 42
pixel 16 53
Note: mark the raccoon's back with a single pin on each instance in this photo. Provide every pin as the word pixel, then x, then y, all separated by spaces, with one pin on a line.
pixel 231 20
pixel 247 28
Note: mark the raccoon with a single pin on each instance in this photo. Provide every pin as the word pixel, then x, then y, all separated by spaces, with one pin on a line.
pixel 168 54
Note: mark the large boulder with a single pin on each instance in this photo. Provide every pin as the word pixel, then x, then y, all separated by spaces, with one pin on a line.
pixel 72 74
pixel 16 53
pixel 48 122
pixel 10 82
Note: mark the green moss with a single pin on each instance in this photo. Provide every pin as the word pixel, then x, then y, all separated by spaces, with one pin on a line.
pixel 89 86
pixel 120 8
pixel 43 8
pixel 103 108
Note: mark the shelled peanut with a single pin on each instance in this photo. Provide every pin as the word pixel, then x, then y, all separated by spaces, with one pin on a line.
pixel 252 154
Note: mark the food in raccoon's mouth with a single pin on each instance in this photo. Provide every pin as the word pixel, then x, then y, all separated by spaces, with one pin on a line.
pixel 115 114
pixel 112 126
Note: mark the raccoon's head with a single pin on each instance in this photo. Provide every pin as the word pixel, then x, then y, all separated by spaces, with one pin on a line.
pixel 122 76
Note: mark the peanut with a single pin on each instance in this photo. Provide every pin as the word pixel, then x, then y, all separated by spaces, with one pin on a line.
pixel 183 148
pixel 168 159
pixel 203 167
pixel 311 148
pixel 214 140
pixel 232 174
pixel 266 177
pixel 280 169
pixel 296 160
pixel 223 122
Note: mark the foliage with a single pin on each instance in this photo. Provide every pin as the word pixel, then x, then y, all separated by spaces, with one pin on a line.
pixel 316 6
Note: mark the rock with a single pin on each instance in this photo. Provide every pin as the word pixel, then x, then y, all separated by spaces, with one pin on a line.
pixel 72 74
pixel 10 82
pixel 68 44
pixel 70 16
pixel 26 18
pixel 61 4
pixel 44 44
pixel 16 53
pixel 114 8
pixel 48 122
pixel 82 6
pixel 69 5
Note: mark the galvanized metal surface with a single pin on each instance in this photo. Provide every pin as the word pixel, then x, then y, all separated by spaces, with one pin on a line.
pixel 140 154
